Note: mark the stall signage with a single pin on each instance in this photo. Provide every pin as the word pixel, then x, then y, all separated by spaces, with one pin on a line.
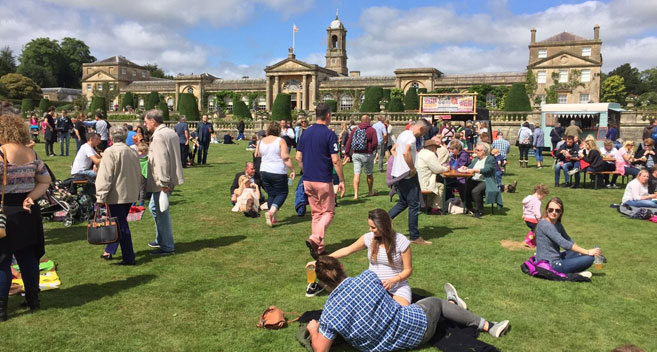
pixel 463 104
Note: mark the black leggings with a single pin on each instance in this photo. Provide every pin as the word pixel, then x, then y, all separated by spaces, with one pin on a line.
pixel 524 151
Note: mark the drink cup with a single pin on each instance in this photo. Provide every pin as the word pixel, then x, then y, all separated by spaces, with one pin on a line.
pixel 310 274
pixel 598 265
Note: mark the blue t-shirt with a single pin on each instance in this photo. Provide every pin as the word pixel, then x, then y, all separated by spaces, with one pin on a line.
pixel 129 141
pixel 317 144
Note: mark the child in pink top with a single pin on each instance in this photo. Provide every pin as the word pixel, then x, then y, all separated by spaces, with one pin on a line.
pixel 531 212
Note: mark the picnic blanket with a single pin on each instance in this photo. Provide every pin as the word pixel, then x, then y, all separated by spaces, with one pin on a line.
pixel 48 278
pixel 637 212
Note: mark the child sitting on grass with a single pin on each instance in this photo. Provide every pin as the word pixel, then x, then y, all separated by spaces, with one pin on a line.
pixel 531 212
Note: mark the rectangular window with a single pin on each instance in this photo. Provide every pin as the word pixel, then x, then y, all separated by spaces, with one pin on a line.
pixel 563 99
pixel 563 76
pixel 586 75
pixel 586 51
pixel 88 87
pixel 583 98
pixel 111 86
pixel 542 53
pixel 143 74
pixel 134 73
pixel 99 86
pixel 542 77
pixel 124 71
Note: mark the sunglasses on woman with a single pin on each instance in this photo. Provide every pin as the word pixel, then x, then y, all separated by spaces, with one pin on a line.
pixel 554 210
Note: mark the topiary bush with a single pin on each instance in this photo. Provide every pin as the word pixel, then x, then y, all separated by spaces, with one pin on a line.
pixel 152 100
pixel 98 103
pixel 127 100
pixel 281 109
pixel 333 105
pixel 187 106
pixel 240 110
pixel 373 96
pixel 27 105
pixel 395 105
pixel 411 100
pixel 422 91
pixel 517 99
pixel 165 110
pixel 44 104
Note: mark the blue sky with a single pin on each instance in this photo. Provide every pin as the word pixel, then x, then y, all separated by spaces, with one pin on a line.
pixel 233 38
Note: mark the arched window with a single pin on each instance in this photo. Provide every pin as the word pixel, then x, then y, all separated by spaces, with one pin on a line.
pixel 229 104
pixel 141 102
pixel 415 85
pixel 346 102
pixel 292 85
pixel 334 41
pixel 170 102
pixel 261 103
pixel 327 97
pixel 212 103
pixel 190 90
pixel 491 100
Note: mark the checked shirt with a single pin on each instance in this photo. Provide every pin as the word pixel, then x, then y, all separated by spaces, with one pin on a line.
pixel 366 316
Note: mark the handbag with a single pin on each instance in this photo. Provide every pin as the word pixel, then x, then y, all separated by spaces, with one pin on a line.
pixel 273 318
pixel 3 217
pixel 101 231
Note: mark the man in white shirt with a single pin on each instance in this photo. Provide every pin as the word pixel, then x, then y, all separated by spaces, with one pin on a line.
pixel 288 134
pixel 103 131
pixel 87 160
pixel 408 188
pixel 382 137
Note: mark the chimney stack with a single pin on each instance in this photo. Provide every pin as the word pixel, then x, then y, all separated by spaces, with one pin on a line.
pixel 533 35
pixel 596 32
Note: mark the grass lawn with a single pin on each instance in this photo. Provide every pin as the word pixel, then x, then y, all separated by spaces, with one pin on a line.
pixel 228 268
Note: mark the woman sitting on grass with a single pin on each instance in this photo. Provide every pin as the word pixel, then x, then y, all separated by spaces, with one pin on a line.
pixel 248 197
pixel 551 236
pixel 389 255
pixel 636 193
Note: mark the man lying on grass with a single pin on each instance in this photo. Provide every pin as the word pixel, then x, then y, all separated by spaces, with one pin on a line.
pixel 365 315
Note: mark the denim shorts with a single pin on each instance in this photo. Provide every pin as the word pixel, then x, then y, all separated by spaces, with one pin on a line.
pixel 361 161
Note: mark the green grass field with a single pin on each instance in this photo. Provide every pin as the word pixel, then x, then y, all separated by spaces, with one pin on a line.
pixel 228 268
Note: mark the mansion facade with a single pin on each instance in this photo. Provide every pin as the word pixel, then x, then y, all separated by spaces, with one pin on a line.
pixel 565 63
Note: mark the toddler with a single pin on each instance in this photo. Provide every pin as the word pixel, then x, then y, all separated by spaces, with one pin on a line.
pixel 142 151
pixel 531 212
pixel 499 170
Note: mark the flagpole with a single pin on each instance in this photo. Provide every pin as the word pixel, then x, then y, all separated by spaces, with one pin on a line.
pixel 293 33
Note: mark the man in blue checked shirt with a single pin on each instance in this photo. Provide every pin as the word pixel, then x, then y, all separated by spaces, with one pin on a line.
pixel 365 315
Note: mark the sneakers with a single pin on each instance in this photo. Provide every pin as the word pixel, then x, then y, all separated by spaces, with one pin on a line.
pixel 453 296
pixel 586 274
pixel 269 219
pixel 161 252
pixel 313 289
pixel 421 240
pixel 498 329
pixel 313 249
pixel 153 244
pixel 573 171
pixel 611 185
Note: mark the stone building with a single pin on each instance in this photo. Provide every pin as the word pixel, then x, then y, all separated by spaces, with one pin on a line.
pixel 309 84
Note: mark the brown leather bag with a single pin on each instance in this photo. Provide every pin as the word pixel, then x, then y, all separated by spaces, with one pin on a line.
pixel 273 318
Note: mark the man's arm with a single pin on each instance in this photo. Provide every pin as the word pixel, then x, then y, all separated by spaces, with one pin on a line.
pixel 95 159
pixel 186 136
pixel 409 160
pixel 338 169
pixel 318 341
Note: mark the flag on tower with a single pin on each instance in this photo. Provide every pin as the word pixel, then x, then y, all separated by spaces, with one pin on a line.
pixel 295 28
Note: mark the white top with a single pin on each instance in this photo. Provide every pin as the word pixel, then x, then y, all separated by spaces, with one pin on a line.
pixel 384 269
pixel 381 130
pixel 102 130
pixel 399 165
pixel 634 191
pixel 479 165
pixel 271 157
pixel 83 160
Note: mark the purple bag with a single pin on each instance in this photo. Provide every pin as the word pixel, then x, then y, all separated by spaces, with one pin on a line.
pixel 541 269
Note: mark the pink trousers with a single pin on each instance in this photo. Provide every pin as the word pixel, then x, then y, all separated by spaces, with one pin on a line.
pixel 322 208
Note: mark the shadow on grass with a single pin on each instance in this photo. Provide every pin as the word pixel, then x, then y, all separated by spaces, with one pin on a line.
pixel 350 200
pixel 418 294
pixel 436 232
pixel 497 211
pixel 330 248
pixel 183 247
pixel 82 294
pixel 295 219
pixel 66 234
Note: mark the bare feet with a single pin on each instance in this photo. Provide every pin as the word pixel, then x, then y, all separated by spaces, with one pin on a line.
pixel 421 241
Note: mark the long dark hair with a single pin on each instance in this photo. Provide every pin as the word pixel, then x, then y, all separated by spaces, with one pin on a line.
pixel 388 236
pixel 558 201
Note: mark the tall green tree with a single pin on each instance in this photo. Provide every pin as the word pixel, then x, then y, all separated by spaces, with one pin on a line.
pixel 128 99
pixel 39 74
pixel 649 79
pixel 47 54
pixel 613 90
pixel 631 78
pixel 373 96
pixel 187 105
pixel 156 71
pixel 411 101
pixel 7 61
pixel 281 109
pixel 517 99
pixel 152 100
pixel 76 53
pixel 19 87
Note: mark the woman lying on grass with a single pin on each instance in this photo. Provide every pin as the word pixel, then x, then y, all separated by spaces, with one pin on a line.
pixel 389 255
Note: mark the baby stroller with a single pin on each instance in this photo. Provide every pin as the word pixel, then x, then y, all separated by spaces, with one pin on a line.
pixel 69 201
pixel 34 131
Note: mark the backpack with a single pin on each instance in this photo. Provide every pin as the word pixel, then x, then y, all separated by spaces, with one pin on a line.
pixel 542 269
pixel 359 140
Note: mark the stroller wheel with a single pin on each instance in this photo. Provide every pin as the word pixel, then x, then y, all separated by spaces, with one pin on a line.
pixel 68 222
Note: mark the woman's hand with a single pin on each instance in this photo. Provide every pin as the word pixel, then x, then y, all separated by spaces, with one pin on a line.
pixel 27 204
pixel 311 263
pixel 292 175
pixel 594 251
pixel 389 283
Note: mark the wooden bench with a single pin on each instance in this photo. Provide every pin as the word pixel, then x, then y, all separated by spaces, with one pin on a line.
pixel 594 177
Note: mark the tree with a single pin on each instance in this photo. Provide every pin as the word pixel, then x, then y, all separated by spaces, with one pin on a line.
pixel 372 100
pixel 517 99
pixel 98 103
pixel 187 105
pixel 47 54
pixel 613 90
pixel 152 100
pixel 7 61
pixel 3 90
pixel 165 110
pixel 240 110
pixel 40 75
pixel 395 105
pixel 27 105
pixel 631 78
pixel 649 79
pixel 44 104
pixel 106 92
pixel 281 109
pixel 80 102
pixel 156 71
pixel 19 87
pixel 127 100
pixel 76 53
pixel 410 100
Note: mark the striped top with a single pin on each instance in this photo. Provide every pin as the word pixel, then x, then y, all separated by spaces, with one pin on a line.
pixel 20 178
pixel 382 268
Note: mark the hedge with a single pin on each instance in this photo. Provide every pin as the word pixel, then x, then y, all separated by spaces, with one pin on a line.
pixel 187 106
pixel 240 110
pixel 165 110
pixel 127 100
pixel 44 104
pixel 386 95
pixel 27 105
pixel 395 105
pixel 517 99
pixel 333 105
pixel 410 100
pixel 98 103
pixel 421 91
pixel 152 100
pixel 281 109
pixel 373 96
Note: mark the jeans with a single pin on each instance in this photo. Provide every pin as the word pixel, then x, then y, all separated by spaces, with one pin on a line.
pixel 65 137
pixel 645 203
pixel 524 151
pixel 381 149
pixel 629 170
pixel 436 309
pixel 203 152
pixel 498 179
pixel 120 211
pixel 567 166
pixel 89 173
pixel 29 265
pixel 572 262
pixel 240 135
pixel 163 228
pixel 408 190
pixel 78 144
pixel 276 187
pixel 184 150
pixel 539 154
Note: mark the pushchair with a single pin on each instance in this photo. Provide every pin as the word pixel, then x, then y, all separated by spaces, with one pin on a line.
pixel 69 201
pixel 34 132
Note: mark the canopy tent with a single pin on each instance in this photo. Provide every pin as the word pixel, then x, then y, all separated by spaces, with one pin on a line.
pixel 594 118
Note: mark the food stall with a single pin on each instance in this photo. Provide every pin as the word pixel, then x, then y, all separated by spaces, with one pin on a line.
pixel 453 107
pixel 593 119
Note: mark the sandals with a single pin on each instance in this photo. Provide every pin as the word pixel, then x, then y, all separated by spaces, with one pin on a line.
pixel 106 257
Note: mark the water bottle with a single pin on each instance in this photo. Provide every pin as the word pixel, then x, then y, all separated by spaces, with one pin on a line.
pixel 289 181
pixel 597 262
